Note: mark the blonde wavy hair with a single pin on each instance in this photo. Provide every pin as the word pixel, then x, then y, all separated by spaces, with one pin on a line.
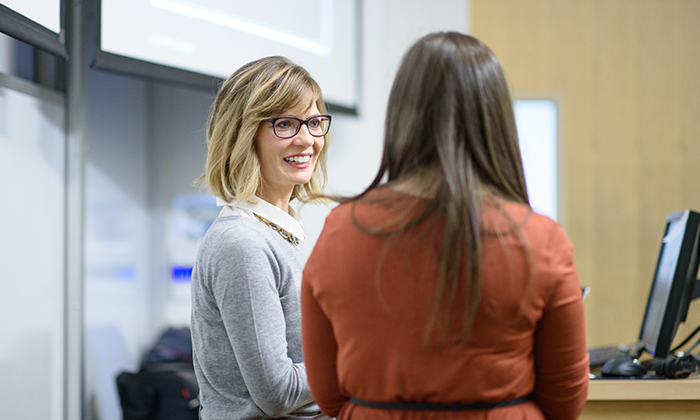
pixel 261 89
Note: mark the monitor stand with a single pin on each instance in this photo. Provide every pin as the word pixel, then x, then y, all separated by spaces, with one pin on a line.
pixel 696 290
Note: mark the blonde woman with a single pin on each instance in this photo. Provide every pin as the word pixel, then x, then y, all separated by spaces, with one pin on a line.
pixel 267 146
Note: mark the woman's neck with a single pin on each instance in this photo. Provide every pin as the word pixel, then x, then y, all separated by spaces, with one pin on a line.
pixel 277 198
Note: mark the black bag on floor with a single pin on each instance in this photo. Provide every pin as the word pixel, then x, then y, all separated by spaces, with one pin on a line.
pixel 165 388
pixel 163 391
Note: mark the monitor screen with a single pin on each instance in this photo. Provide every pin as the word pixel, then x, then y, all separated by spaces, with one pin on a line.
pixel 673 283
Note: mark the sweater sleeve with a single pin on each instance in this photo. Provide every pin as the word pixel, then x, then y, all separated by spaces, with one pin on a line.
pixel 561 359
pixel 320 351
pixel 245 287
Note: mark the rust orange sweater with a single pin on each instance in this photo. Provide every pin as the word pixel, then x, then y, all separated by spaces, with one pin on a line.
pixel 366 300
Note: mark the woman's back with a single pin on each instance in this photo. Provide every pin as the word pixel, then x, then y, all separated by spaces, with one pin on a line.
pixel 375 294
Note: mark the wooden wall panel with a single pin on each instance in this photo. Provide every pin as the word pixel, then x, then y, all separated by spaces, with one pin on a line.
pixel 689 113
pixel 614 169
pixel 626 74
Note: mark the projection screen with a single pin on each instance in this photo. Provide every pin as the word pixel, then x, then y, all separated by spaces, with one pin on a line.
pixel 212 38
pixel 35 22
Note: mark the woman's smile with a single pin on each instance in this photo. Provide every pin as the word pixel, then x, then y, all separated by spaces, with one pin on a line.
pixel 300 161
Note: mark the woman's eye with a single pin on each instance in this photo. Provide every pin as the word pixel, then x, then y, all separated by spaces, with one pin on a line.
pixel 314 123
pixel 283 125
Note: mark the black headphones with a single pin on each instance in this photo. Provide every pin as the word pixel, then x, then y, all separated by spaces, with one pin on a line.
pixel 674 367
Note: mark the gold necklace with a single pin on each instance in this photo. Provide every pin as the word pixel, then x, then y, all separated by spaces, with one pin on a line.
pixel 286 235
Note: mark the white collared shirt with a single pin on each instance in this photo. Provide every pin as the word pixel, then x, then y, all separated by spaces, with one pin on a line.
pixel 287 221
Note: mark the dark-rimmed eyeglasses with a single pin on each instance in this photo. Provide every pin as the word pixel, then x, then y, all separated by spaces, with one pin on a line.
pixel 287 127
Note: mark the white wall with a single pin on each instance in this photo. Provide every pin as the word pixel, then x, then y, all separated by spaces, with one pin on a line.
pixel 118 220
pixel 32 238
pixel 183 210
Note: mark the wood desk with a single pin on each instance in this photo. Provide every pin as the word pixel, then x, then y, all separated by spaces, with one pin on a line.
pixel 643 399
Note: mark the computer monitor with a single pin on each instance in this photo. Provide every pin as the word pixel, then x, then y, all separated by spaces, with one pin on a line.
pixel 674 282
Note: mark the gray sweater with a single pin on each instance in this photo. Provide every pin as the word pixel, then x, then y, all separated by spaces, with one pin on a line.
pixel 246 323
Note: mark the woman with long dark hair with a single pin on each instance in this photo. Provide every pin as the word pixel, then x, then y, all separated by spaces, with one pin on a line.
pixel 438 292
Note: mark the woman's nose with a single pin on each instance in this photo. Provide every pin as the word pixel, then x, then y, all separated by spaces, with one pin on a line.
pixel 304 137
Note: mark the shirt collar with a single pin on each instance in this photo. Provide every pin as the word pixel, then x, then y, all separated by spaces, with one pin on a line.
pixel 287 221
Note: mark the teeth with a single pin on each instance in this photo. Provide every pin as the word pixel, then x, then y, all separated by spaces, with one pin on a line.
pixel 298 159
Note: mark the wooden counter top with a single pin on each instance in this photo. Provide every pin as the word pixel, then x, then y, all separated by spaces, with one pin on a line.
pixel 646 389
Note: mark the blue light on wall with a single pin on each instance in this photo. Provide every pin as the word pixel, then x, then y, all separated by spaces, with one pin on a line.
pixel 125 274
pixel 181 274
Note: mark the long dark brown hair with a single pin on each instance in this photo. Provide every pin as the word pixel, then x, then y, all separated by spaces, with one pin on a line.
pixel 450 115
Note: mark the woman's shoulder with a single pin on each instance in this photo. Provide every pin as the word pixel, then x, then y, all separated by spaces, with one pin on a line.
pixel 339 219
pixel 376 206
pixel 242 240
pixel 538 227
pixel 234 233
pixel 236 227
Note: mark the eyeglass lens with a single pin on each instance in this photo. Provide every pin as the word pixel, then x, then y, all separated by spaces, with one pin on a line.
pixel 289 127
